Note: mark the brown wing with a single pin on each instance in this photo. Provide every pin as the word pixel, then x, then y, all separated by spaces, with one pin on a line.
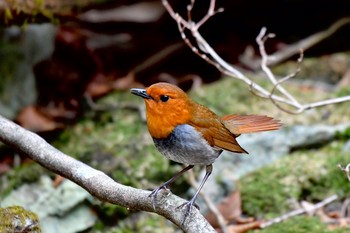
pixel 240 124
pixel 213 130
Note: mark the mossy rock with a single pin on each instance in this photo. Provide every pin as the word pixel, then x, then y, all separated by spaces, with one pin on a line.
pixel 309 175
pixel 17 219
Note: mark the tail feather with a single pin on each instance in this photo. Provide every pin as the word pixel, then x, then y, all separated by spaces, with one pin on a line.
pixel 240 124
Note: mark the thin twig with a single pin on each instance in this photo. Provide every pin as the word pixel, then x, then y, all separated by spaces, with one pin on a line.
pixel 286 78
pixel 207 53
pixel 293 49
pixel 260 40
pixel 300 211
pixel 221 220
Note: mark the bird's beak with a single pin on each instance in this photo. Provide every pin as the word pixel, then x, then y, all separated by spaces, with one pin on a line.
pixel 140 92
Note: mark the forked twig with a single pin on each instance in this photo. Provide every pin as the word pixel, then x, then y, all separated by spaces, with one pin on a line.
pixel 293 49
pixel 206 52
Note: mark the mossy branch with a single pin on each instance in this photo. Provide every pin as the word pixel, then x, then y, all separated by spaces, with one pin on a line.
pixel 96 182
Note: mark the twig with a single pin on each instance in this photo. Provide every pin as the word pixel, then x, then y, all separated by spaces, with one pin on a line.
pixel 294 49
pixel 206 52
pixel 96 182
pixel 346 170
pixel 221 220
pixel 300 211
pixel 277 85
pixel 260 40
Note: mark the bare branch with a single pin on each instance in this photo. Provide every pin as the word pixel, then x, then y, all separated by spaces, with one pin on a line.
pixel 303 210
pixel 96 182
pixel 207 53
pixel 262 37
pixel 294 49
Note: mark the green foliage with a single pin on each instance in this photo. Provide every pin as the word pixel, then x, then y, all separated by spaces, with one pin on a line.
pixel 344 135
pixel 344 91
pixel 305 175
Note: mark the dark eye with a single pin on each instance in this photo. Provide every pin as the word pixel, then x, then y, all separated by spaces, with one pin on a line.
pixel 164 98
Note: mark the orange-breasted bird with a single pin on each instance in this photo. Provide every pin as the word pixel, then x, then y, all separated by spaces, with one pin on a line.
pixel 189 133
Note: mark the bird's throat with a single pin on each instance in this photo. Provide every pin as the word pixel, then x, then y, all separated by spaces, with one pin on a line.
pixel 161 126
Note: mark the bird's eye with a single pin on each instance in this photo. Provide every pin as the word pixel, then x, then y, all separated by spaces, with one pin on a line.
pixel 164 98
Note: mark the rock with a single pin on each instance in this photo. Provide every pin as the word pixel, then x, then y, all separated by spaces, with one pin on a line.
pixel 347 146
pixel 60 209
pixel 20 51
pixel 17 219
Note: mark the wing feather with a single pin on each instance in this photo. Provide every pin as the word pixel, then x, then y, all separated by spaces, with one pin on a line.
pixel 240 124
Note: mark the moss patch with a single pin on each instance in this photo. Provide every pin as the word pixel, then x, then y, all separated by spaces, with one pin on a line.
pixel 17 219
pixel 304 175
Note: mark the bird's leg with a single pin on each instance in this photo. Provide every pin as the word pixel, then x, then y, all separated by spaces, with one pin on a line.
pixel 163 186
pixel 189 204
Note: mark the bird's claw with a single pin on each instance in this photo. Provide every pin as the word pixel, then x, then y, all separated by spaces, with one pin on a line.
pixel 188 205
pixel 154 194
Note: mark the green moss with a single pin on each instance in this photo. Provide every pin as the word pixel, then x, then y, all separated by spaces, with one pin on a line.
pixel 305 175
pixel 302 224
pixel 344 135
pixel 17 219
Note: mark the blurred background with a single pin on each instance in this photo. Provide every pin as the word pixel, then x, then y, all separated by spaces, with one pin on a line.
pixel 66 68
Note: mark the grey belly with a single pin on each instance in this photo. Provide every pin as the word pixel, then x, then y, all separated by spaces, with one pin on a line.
pixel 186 145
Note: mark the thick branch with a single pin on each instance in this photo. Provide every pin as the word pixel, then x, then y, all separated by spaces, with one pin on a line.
pixel 96 182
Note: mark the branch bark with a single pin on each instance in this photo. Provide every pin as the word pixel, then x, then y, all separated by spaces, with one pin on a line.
pixel 96 182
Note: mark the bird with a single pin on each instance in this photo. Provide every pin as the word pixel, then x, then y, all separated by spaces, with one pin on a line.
pixel 189 133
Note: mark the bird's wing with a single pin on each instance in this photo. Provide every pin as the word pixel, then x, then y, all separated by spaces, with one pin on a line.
pixel 240 124
pixel 213 130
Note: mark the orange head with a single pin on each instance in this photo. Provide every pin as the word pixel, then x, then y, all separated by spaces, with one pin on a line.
pixel 167 106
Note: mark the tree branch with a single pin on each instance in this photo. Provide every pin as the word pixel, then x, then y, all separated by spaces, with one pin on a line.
pixel 300 211
pixel 206 52
pixel 293 49
pixel 96 182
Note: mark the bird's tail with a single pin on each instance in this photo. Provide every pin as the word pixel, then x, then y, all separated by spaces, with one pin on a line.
pixel 240 124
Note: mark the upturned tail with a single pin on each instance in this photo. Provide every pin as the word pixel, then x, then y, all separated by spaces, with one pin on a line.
pixel 241 124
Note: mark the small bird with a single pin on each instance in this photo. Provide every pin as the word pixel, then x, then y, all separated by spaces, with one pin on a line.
pixel 189 133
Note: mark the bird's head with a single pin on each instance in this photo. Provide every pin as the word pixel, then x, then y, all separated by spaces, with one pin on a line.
pixel 167 106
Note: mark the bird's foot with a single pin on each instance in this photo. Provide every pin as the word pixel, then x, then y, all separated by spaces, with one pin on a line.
pixel 154 194
pixel 188 205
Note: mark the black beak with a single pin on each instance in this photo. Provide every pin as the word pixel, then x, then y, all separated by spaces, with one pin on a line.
pixel 140 92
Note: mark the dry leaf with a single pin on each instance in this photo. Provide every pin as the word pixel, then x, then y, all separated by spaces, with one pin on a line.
pixel 229 207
